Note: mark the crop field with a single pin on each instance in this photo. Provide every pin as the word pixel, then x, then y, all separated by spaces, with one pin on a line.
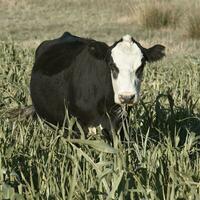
pixel 160 156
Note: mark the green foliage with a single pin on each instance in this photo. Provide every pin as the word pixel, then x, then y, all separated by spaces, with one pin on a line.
pixel 158 160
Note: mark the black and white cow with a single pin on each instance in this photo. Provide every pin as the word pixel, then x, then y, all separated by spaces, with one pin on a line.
pixel 89 78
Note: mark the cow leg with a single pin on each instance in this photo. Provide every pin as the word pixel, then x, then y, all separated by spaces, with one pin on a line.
pixel 108 126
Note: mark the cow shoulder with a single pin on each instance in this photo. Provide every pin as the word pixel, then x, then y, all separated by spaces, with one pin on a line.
pixel 90 83
pixel 98 49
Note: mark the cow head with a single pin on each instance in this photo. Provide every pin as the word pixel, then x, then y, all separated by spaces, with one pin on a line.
pixel 127 61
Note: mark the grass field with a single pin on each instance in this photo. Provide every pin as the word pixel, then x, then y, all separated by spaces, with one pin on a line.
pixel 160 159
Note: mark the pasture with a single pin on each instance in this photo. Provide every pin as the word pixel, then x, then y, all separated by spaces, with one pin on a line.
pixel 160 159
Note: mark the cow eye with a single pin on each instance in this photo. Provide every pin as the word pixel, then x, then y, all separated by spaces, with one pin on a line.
pixel 139 71
pixel 114 70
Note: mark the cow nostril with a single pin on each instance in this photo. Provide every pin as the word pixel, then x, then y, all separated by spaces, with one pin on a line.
pixel 132 97
pixel 126 98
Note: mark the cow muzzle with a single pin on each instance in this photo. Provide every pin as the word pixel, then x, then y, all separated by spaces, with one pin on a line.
pixel 126 98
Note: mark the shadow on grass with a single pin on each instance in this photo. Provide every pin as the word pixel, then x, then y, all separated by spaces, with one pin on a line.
pixel 163 119
pixel 158 121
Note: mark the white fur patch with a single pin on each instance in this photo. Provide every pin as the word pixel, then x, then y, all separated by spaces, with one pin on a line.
pixel 127 57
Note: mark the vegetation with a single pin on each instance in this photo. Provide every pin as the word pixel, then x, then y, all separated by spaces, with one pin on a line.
pixel 194 26
pixel 159 14
pixel 160 158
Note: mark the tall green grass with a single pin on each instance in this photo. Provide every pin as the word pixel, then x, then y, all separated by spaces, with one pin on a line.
pixel 158 160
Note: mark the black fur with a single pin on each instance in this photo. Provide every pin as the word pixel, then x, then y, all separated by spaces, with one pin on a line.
pixel 139 71
pixel 75 73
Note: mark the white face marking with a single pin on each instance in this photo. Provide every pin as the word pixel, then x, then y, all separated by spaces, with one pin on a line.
pixel 127 57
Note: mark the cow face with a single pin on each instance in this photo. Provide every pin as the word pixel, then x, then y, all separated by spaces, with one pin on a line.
pixel 128 59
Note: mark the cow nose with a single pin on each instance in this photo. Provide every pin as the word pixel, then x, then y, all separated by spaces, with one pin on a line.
pixel 126 99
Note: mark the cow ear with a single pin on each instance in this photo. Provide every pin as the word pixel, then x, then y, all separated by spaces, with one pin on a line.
pixel 154 53
pixel 98 49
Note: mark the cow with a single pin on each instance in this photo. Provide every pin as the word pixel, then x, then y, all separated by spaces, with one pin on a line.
pixel 90 79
